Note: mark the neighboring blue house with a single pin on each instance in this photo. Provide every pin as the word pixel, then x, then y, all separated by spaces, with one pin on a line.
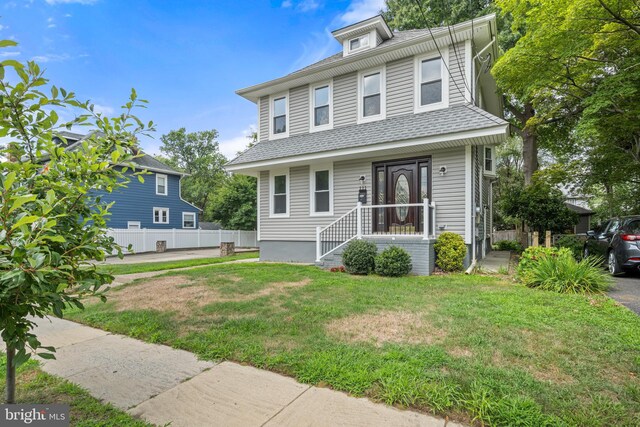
pixel 154 204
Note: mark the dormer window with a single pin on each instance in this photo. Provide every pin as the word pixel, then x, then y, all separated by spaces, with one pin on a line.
pixel 359 43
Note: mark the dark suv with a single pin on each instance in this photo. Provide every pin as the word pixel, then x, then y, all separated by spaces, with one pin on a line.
pixel 617 241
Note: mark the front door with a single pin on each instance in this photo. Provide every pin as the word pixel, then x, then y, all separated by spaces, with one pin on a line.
pixel 400 183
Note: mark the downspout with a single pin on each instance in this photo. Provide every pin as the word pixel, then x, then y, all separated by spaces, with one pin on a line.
pixel 473 212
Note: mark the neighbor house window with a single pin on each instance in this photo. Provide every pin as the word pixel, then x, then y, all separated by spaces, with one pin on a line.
pixel 188 220
pixel 431 89
pixel 280 194
pixel 161 215
pixel 133 225
pixel 321 106
pixel 279 116
pixel 161 184
pixel 322 190
pixel 372 99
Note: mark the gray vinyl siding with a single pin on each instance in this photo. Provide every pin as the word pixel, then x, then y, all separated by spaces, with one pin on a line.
pixel 448 192
pixel 264 118
pixel 378 39
pixel 456 68
pixel 345 100
pixel 299 110
pixel 400 87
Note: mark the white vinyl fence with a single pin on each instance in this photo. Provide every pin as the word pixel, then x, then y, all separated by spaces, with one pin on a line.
pixel 144 240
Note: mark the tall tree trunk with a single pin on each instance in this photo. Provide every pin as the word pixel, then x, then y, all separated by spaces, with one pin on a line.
pixel 11 375
pixel 529 145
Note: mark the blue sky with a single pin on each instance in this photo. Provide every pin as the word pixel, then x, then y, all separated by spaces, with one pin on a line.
pixel 186 57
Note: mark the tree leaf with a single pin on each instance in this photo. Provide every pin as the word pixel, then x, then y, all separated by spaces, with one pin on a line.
pixel 19 201
pixel 9 180
pixel 8 43
pixel 28 219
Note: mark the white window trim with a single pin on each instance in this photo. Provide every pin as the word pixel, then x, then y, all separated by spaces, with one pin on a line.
pixel 383 94
pixel 130 223
pixel 194 219
pixel 272 186
pixel 312 89
pixel 418 81
pixel 154 215
pixel 312 189
pixel 273 135
pixel 166 184
pixel 491 172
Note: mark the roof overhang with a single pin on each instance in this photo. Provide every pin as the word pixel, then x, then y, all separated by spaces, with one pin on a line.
pixel 486 136
pixel 377 22
pixel 480 30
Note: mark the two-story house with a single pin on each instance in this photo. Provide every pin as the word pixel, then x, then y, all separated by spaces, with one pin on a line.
pixel 155 203
pixel 392 140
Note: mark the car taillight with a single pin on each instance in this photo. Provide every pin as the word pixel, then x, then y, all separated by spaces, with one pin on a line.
pixel 630 237
pixel 634 258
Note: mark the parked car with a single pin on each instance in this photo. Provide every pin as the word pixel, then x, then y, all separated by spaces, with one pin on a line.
pixel 617 241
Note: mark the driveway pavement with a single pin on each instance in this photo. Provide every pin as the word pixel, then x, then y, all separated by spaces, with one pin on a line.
pixel 174 255
pixel 626 291
pixel 167 386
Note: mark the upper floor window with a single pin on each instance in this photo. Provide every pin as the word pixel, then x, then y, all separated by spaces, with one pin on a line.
pixel 279 193
pixel 161 184
pixel 371 100
pixel 321 111
pixel 279 116
pixel 432 89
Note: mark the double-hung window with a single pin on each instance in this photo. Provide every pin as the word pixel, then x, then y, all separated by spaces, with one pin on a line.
pixel 321 190
pixel 279 116
pixel 161 215
pixel 280 193
pixel 371 95
pixel 161 184
pixel 431 89
pixel 321 111
pixel 188 220
pixel 489 161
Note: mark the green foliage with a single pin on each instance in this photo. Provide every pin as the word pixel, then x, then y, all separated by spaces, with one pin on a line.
pixel 533 254
pixel 573 243
pixel 450 251
pixel 508 245
pixel 562 273
pixel 359 257
pixel 197 154
pixel 235 204
pixel 541 206
pixel 393 261
pixel 51 222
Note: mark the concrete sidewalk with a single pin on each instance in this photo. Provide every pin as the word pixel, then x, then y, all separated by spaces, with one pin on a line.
pixel 164 385
pixel 495 261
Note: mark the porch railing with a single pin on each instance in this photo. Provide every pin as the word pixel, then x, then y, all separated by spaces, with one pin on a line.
pixel 418 219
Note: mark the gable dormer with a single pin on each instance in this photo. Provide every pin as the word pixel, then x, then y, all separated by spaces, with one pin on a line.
pixel 363 35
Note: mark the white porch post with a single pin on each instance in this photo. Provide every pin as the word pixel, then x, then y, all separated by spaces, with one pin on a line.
pixel 359 221
pixel 318 244
pixel 425 220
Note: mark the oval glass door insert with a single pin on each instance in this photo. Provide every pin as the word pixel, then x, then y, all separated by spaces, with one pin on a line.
pixel 402 197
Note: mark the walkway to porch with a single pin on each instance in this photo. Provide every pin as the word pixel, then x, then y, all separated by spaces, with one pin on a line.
pixel 495 261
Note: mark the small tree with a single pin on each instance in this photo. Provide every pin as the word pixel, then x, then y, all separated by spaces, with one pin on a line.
pixel 235 203
pixel 52 224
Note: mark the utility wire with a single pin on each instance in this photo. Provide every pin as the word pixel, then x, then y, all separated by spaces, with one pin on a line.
pixel 446 66
pixel 455 50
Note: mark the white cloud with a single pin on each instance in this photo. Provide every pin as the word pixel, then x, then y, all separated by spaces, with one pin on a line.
pixel 51 26
pixel 230 147
pixel 8 54
pixel 50 19
pixel 103 109
pixel 54 2
pixel 302 5
pixel 68 15
pixel 51 57
pixel 286 4
pixel 360 10
pixel 2 27
pixel 318 47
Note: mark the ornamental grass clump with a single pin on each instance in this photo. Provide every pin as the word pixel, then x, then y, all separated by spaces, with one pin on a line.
pixel 556 270
pixel 359 257
pixel 393 262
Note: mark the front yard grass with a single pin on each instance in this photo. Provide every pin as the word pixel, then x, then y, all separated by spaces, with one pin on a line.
pixel 143 267
pixel 35 386
pixel 474 348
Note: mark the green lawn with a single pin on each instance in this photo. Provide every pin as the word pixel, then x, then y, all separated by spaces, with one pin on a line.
pixel 144 267
pixel 468 347
pixel 36 386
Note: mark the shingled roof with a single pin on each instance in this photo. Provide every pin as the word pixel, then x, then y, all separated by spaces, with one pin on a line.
pixel 459 118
